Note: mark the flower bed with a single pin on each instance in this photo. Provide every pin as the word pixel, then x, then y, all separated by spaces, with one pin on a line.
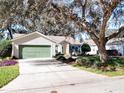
pixel 8 63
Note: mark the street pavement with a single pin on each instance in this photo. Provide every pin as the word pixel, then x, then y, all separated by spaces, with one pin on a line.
pixel 56 77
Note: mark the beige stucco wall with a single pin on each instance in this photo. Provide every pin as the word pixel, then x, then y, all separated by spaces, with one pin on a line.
pixel 60 48
pixel 66 48
pixel 94 50
pixel 15 51
pixel 32 40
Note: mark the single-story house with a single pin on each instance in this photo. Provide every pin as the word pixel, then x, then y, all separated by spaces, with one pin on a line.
pixel 113 44
pixel 37 45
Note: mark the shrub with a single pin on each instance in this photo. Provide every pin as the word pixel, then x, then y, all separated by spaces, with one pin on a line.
pixel 69 60
pixel 8 63
pixel 80 62
pixel 5 48
pixel 4 44
pixel 85 48
pixel 60 58
pixel 87 61
pixel 94 62
pixel 58 54
pixel 116 61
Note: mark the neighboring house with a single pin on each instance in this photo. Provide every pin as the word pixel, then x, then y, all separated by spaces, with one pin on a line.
pixel 37 45
pixel 116 44
pixel 93 47
pixel 113 44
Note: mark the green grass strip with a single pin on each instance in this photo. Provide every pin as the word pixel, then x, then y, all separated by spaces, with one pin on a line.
pixel 119 72
pixel 7 74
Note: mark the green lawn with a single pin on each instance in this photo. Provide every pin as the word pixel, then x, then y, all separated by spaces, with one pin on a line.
pixel 119 71
pixel 7 74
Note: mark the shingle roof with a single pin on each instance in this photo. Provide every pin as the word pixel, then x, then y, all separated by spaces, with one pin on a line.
pixel 90 42
pixel 37 34
pixel 60 39
pixel 57 39
pixel 18 35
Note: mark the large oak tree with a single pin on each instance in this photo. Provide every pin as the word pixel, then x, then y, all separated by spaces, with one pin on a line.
pixel 95 17
pixel 101 12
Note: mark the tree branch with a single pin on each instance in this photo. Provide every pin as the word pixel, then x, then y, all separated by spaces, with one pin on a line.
pixel 92 33
pixel 94 38
pixel 83 9
pixel 107 9
pixel 102 3
pixel 115 34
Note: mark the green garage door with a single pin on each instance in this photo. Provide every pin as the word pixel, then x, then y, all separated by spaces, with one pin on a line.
pixel 32 51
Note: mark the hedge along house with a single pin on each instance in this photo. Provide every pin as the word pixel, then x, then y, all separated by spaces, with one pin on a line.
pixel 33 45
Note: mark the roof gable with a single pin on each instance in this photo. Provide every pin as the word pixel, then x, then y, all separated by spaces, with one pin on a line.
pixel 32 35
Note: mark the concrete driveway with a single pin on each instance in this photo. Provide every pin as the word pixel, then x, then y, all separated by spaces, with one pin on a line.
pixel 37 75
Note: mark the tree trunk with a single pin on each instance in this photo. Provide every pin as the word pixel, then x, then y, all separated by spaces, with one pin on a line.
pixel 103 54
pixel 10 32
